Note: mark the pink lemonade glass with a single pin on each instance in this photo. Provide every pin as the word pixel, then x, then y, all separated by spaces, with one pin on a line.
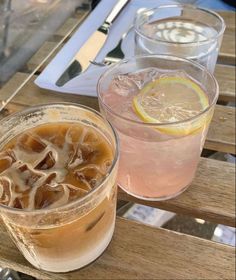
pixel 158 159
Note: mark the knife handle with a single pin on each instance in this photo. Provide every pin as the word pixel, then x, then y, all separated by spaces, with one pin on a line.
pixel 116 11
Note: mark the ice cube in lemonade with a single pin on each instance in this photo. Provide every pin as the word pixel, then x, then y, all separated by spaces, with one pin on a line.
pixel 160 119
pixel 48 167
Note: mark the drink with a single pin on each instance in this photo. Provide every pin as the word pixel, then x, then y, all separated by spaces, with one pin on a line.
pixel 162 117
pixel 185 31
pixel 59 177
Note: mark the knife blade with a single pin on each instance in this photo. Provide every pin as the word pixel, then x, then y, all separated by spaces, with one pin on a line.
pixel 92 46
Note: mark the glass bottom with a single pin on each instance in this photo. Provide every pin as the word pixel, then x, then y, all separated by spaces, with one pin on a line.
pixel 161 198
pixel 77 263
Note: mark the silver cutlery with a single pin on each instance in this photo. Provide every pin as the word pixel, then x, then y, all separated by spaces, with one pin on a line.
pixel 91 47
pixel 114 55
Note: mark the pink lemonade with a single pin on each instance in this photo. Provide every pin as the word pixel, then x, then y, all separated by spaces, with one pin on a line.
pixel 161 126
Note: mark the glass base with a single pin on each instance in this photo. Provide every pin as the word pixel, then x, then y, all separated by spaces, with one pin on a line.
pixel 155 198
pixel 80 262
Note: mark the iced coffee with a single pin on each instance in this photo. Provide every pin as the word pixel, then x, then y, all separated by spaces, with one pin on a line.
pixel 58 189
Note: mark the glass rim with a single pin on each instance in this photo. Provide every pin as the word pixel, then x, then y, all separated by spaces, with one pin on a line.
pixel 166 57
pixel 184 6
pixel 80 200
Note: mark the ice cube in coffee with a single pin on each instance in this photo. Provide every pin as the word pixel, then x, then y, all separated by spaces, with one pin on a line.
pixel 59 170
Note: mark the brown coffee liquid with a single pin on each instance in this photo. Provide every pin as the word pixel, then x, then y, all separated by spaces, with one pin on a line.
pixel 52 164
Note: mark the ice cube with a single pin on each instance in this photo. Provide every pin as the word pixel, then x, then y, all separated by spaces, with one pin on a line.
pixel 47 196
pixel 141 77
pixel 92 138
pixel 56 196
pixel 75 192
pixel 123 85
pixel 129 83
pixel 90 175
pixel 75 159
pixel 28 178
pixel 88 152
pixel 49 178
pixel 31 143
pixel 8 193
pixel 75 134
pixel 47 162
pixel 81 177
pixel 5 185
pixel 6 160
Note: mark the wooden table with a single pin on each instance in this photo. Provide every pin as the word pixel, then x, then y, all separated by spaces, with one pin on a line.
pixel 138 251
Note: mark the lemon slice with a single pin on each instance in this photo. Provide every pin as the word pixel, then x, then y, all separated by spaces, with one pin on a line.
pixel 172 99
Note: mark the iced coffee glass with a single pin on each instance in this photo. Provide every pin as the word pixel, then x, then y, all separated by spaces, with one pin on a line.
pixel 58 167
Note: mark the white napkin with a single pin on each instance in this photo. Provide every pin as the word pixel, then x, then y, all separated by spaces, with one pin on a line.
pixel 85 83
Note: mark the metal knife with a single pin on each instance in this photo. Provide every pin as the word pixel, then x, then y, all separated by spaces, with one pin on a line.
pixel 91 47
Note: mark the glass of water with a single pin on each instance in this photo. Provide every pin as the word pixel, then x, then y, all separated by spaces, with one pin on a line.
pixel 181 30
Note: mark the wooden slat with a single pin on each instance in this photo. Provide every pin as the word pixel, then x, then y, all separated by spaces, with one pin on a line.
pixel 38 57
pixel 211 195
pixel 62 34
pixel 140 252
pixel 229 18
pixel 227 51
pixel 69 25
pixel 225 76
pixel 221 133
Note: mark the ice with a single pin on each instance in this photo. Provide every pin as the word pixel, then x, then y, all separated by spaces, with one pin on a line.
pixel 76 158
pixel 31 143
pixel 141 77
pixel 28 176
pixel 47 162
pixel 59 195
pixel 46 171
pixel 5 185
pixel 46 196
pixel 6 160
pixel 90 175
pixel 75 192
pixel 81 177
pixel 83 145
pixel 129 83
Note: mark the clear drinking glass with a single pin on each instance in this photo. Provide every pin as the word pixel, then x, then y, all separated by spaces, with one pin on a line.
pixel 154 164
pixel 180 30
pixel 71 236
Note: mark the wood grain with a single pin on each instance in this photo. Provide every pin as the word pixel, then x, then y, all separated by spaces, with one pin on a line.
pixel 227 51
pixel 221 133
pixel 141 252
pixel 229 18
pixel 55 42
pixel 225 76
pixel 40 55
pixel 211 196
pixel 69 25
